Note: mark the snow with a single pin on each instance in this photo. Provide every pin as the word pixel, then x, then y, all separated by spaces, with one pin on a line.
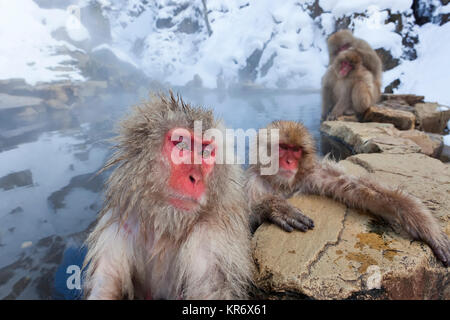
pixel 428 75
pixel 28 50
pixel 278 44
pixel 341 8
pixel 75 29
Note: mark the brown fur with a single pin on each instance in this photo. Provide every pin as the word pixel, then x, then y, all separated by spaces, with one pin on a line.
pixel 144 248
pixel 328 179
pixel 370 58
pixel 361 88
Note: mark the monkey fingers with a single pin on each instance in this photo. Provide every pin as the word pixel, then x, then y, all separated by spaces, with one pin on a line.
pixel 290 218
pixel 441 250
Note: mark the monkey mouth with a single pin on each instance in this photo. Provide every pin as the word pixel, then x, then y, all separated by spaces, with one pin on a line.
pixel 185 203
pixel 286 173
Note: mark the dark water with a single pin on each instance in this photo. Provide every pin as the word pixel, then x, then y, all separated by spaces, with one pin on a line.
pixel 47 160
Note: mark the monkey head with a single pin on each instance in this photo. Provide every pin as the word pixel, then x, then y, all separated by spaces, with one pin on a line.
pixel 188 174
pixel 346 62
pixel 339 41
pixel 161 164
pixel 296 152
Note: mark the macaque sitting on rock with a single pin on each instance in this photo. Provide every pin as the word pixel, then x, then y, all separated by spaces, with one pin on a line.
pixel 300 172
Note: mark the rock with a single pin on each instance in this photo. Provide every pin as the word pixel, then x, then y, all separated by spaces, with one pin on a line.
pixel 387 60
pixel 432 117
pixel 16 179
pixel 445 154
pixel 371 137
pixel 402 120
pixel 91 88
pixel 16 87
pixel 351 118
pixel 410 99
pixel 11 102
pixel 351 255
pixel 432 144
pixel 57 104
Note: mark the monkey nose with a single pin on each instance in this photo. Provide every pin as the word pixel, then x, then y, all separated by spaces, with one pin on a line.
pixel 194 178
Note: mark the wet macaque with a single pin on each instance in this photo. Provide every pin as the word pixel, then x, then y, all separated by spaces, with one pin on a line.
pixel 302 173
pixel 350 88
pixel 339 43
pixel 171 227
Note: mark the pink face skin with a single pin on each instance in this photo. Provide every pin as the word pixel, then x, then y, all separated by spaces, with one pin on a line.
pixel 346 67
pixel 187 181
pixel 344 47
pixel 289 156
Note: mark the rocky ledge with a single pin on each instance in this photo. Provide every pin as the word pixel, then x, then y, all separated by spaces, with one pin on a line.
pixel 351 254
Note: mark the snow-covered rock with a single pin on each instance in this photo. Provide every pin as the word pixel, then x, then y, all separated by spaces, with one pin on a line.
pixel 221 43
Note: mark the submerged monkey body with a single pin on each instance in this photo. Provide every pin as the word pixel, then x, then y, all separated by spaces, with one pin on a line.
pixel 145 245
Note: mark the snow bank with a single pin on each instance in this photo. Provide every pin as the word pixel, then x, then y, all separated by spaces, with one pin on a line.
pixel 263 42
pixel 428 75
pixel 28 50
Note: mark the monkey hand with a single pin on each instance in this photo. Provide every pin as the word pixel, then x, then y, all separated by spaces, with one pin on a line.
pixel 286 216
pixel 441 248
pixel 332 117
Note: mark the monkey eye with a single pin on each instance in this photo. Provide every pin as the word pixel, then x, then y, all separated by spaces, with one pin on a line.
pixel 284 146
pixel 296 149
pixel 181 144
pixel 208 151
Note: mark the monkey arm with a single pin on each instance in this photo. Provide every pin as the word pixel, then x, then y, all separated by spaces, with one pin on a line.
pixel 109 271
pixel 264 206
pixel 370 58
pixel 278 211
pixel 393 205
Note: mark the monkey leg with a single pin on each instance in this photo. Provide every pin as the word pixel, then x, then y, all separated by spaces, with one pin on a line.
pixel 278 211
pixel 341 106
pixel 362 97
pixel 393 205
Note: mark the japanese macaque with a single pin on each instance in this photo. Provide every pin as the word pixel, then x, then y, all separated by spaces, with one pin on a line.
pixel 301 172
pixel 171 227
pixel 339 43
pixel 344 40
pixel 348 87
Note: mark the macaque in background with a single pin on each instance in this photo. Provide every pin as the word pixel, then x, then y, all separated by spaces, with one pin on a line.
pixel 301 172
pixel 344 40
pixel 348 86
pixel 338 43
pixel 168 229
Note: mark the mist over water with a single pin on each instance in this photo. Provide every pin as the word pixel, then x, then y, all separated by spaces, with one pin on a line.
pixel 48 161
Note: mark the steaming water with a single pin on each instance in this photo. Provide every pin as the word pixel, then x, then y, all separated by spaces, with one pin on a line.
pixel 47 161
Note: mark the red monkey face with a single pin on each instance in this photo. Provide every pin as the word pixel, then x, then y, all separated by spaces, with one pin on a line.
pixel 345 68
pixel 191 162
pixel 289 157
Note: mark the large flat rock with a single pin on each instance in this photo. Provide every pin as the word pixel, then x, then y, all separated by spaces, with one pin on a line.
pixel 349 254
pixel 373 137
pixel 10 102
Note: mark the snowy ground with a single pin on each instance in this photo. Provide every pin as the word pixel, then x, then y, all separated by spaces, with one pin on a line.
pixel 292 43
